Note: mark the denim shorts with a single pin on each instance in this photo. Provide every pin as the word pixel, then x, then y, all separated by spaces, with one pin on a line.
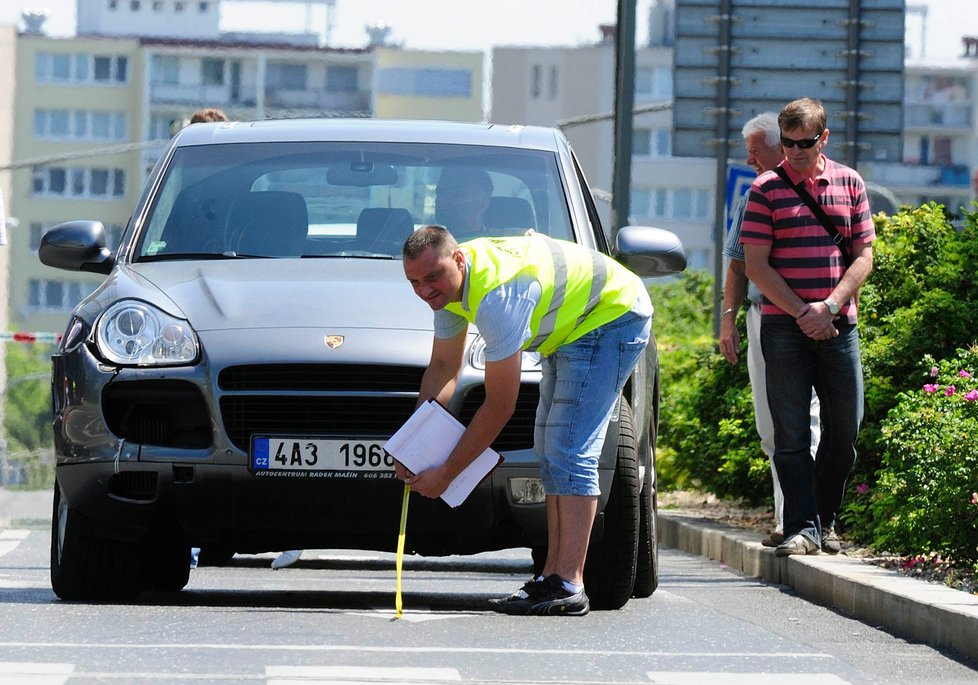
pixel 580 386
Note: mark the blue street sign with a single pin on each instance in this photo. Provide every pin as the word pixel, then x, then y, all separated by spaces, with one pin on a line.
pixel 739 178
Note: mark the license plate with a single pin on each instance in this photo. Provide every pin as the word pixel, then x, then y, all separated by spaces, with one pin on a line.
pixel 300 454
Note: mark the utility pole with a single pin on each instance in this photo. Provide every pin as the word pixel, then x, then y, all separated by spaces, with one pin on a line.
pixel 624 103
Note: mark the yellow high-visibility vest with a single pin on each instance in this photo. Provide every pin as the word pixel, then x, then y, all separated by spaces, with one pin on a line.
pixel 581 289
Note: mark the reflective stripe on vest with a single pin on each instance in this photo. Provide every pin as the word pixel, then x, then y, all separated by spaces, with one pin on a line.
pixel 565 312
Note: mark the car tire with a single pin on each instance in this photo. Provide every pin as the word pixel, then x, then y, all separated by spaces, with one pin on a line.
pixel 609 572
pixel 215 555
pixel 647 566
pixel 166 563
pixel 84 567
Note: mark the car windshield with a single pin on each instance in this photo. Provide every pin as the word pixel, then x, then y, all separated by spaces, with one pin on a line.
pixel 343 199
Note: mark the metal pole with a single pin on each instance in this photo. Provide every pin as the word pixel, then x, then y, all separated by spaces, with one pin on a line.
pixel 624 102
pixel 722 153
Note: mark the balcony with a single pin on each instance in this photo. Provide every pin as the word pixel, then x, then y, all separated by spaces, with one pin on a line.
pixel 192 94
pixel 946 179
pixel 938 115
pixel 313 101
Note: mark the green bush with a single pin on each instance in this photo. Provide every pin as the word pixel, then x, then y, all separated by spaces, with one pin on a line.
pixel 27 413
pixel 921 299
pixel 924 499
pixel 707 439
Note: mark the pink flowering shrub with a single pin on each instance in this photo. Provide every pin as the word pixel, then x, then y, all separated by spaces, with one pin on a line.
pixel 924 500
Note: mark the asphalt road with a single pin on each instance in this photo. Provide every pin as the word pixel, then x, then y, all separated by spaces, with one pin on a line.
pixel 330 619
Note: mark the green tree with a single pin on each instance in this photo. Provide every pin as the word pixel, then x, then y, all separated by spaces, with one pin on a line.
pixel 27 409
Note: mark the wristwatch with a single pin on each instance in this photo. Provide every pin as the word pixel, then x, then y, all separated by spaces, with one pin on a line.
pixel 833 307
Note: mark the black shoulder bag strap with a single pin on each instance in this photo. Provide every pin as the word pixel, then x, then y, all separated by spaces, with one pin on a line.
pixel 816 208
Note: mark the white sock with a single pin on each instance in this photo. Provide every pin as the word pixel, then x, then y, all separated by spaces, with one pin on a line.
pixel 572 588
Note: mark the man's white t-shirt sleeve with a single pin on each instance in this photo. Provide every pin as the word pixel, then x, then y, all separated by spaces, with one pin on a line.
pixel 503 318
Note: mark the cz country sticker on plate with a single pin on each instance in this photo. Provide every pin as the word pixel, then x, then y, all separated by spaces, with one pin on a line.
pixel 293 456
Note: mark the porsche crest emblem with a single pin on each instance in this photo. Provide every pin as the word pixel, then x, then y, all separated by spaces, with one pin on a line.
pixel 333 341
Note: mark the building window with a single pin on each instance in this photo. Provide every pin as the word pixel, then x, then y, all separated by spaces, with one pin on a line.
pixel 78 182
pixel 80 68
pixel 203 6
pixel 553 84
pixel 113 5
pixel 134 5
pixel 651 142
pixel 166 69
pixel 341 79
pixel 425 82
pixel 535 78
pixel 48 295
pixel 64 124
pixel 287 76
pixel 653 83
pixel 212 72
pixel 670 203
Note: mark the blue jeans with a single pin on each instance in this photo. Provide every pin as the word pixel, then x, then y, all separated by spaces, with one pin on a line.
pixel 813 490
pixel 580 385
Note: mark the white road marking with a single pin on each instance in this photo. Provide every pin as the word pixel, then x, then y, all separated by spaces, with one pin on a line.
pixel 35 673
pixel 374 649
pixel 350 675
pixel 10 538
pixel 725 678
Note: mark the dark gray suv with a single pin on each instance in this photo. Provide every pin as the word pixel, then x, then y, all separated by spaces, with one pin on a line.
pixel 230 384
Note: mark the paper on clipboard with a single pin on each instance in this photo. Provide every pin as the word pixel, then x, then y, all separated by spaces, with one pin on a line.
pixel 427 439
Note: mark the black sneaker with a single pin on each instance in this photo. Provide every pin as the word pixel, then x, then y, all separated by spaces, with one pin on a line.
pixel 546 597
pixel 520 595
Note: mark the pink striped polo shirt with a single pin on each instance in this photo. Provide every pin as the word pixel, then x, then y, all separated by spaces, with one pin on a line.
pixel 802 252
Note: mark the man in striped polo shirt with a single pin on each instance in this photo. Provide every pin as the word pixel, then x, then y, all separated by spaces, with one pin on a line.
pixel 808 319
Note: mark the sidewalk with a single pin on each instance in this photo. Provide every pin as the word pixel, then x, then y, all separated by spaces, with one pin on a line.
pixel 924 612
pixel 916 610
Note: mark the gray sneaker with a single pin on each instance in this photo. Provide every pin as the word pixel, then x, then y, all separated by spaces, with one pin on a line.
pixel 796 544
pixel 830 542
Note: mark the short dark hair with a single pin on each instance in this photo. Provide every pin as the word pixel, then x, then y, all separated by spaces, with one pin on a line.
pixel 433 236
pixel 802 113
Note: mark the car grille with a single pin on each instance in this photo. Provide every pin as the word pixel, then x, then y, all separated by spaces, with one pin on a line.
pixel 355 400
pixel 518 433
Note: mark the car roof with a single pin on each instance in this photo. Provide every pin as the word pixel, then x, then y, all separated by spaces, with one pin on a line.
pixel 370 130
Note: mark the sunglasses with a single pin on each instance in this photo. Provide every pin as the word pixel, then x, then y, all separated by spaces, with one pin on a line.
pixel 803 144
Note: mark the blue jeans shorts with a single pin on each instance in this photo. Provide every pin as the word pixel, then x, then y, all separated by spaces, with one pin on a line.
pixel 580 386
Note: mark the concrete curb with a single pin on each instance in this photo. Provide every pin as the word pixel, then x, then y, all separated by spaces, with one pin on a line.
pixel 924 612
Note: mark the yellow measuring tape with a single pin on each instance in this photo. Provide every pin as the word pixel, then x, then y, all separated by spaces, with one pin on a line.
pixel 400 548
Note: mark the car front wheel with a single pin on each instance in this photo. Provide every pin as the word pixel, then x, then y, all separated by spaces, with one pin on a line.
pixel 609 572
pixel 84 567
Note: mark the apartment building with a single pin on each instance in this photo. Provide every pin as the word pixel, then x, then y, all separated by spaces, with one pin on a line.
pixel 940 136
pixel 91 114
pixel 573 88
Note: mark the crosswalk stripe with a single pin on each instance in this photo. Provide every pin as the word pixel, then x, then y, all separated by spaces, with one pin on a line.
pixel 726 678
pixel 352 675
pixel 35 673
pixel 10 538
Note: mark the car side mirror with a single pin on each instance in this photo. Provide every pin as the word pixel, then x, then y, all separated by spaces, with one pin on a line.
pixel 76 246
pixel 650 251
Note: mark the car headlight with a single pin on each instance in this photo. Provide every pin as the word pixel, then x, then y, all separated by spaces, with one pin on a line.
pixel 477 357
pixel 136 333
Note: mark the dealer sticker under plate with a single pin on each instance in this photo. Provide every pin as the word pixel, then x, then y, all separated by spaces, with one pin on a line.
pixel 307 455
